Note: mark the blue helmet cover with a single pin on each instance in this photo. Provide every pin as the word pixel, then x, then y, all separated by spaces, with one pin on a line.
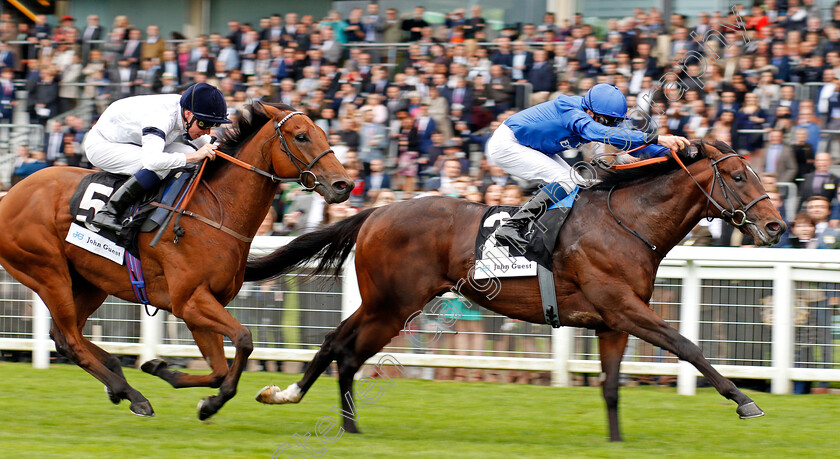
pixel 605 99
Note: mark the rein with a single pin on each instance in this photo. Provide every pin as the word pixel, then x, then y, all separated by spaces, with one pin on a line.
pixel 303 172
pixel 736 217
pixel 727 214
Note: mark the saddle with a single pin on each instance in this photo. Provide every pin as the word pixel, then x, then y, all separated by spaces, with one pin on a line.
pixel 502 260
pixel 95 189
pixel 494 259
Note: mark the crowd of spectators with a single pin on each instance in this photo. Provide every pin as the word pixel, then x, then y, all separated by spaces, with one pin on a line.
pixel 411 115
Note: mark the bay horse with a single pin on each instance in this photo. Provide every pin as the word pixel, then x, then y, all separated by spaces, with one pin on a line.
pixel 193 279
pixel 409 252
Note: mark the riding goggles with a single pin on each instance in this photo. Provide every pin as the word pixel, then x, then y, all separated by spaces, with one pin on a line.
pixel 609 121
pixel 204 125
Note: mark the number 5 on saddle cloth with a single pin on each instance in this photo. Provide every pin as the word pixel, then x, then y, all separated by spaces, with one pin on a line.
pixel 95 189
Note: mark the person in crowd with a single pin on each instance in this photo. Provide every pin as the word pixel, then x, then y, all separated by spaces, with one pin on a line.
pixel 749 117
pixel 27 163
pixel 818 209
pixel 7 94
pixel 821 182
pixel 777 158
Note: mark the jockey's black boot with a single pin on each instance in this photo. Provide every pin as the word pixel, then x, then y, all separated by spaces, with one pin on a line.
pixel 109 216
pixel 512 231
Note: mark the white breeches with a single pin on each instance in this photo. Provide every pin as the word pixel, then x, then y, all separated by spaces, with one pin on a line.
pixel 516 159
pixel 126 158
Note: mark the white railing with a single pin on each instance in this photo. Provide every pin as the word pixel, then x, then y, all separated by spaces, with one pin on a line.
pixel 757 313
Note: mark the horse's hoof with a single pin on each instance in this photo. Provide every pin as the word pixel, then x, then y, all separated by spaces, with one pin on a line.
pixel 351 428
pixel 205 410
pixel 266 394
pixel 272 395
pixel 749 410
pixel 114 399
pixel 154 366
pixel 142 409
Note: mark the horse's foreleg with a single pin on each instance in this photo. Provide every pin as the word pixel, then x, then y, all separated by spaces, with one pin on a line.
pixel 212 347
pixel 611 344
pixel 637 319
pixel 203 311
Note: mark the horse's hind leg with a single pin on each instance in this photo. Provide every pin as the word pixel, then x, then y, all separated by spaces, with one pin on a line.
pixel 330 348
pixel 88 299
pixel 637 319
pixel 110 362
pixel 211 347
pixel 364 341
pixel 68 319
pixel 611 344
pixel 353 342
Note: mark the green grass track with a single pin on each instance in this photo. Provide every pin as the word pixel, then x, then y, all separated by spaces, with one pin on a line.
pixel 64 412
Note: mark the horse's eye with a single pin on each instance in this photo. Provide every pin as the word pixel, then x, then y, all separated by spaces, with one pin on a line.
pixel 301 137
pixel 739 178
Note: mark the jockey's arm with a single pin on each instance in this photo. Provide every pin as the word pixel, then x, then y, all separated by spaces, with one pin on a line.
pixel 154 156
pixel 206 149
pixel 156 159
pixel 625 139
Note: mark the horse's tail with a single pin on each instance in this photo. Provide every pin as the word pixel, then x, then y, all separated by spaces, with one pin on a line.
pixel 332 245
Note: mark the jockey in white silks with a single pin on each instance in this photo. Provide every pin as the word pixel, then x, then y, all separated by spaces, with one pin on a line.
pixel 147 136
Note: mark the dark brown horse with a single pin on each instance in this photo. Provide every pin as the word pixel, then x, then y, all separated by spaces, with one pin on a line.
pixel 407 253
pixel 193 279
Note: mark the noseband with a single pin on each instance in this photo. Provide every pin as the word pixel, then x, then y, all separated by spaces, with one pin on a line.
pixel 736 217
pixel 297 162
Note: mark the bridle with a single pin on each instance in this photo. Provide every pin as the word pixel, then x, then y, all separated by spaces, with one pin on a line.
pixel 736 217
pixel 181 207
pixel 304 172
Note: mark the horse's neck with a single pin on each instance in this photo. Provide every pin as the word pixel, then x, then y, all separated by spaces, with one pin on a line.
pixel 245 196
pixel 674 205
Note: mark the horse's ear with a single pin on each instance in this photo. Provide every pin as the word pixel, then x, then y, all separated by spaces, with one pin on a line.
pixel 257 108
pixel 694 148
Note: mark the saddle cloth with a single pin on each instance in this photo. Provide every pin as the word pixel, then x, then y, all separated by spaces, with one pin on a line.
pixel 92 194
pixel 495 259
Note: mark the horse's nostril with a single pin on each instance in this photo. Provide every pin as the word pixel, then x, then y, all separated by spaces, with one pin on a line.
pixel 774 227
pixel 340 185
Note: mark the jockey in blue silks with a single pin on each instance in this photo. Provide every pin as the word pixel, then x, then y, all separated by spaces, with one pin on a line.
pixel 524 143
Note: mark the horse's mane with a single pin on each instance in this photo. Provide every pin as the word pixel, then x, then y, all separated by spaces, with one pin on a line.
pixel 251 120
pixel 620 177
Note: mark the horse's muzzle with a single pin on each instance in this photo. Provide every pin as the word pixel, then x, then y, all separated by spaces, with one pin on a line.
pixel 338 191
pixel 770 234
pixel 775 230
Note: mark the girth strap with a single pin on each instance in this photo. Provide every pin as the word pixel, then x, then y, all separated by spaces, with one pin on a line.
pixel 206 221
pixel 548 295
